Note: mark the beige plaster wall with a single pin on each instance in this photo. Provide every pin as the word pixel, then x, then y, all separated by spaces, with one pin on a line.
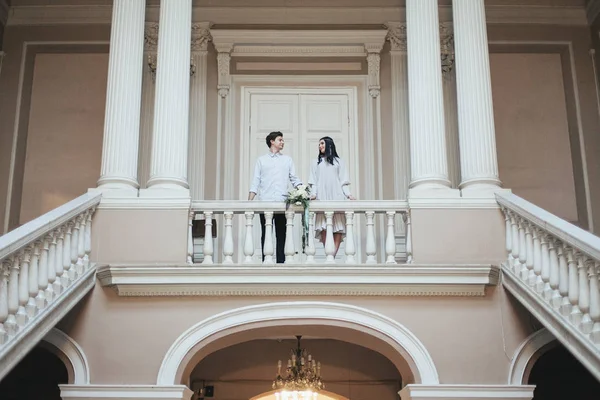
pixel 581 107
pixel 471 340
pixel 15 93
pixel 139 236
pixel 247 369
pixel 532 130
pixel 64 139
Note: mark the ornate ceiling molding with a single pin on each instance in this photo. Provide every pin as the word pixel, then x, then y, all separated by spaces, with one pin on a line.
pixel 299 280
pixel 86 14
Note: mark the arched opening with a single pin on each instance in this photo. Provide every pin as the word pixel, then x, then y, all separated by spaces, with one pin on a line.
pixel 37 376
pixel 323 320
pixel 558 376
pixel 246 370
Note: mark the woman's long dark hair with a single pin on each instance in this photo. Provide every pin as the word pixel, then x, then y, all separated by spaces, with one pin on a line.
pixel 330 152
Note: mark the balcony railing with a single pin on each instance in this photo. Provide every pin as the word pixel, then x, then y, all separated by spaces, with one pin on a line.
pixel 377 232
pixel 553 268
pixel 44 271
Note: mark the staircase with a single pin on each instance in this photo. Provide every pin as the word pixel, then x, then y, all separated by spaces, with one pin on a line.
pixel 553 269
pixel 45 271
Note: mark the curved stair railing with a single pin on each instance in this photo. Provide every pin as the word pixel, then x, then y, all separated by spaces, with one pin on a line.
pixel 45 270
pixel 553 269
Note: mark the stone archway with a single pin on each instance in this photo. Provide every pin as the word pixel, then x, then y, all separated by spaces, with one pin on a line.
pixel 71 354
pixel 408 349
pixel 528 352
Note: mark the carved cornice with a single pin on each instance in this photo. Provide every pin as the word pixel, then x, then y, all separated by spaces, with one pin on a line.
pixel 298 280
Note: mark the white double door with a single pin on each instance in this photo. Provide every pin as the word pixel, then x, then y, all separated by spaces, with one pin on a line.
pixel 304 117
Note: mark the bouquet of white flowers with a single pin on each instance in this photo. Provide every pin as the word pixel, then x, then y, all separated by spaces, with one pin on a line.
pixel 300 196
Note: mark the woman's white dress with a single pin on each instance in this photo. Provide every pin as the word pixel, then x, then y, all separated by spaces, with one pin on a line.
pixel 329 182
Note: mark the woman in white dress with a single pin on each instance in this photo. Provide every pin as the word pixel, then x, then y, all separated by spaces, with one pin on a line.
pixel 329 181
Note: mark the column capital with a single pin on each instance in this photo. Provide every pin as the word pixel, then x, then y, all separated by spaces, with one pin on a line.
pixel 201 36
pixel 396 36
pixel 447 47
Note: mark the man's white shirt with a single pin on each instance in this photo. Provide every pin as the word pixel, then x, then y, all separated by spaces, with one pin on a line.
pixel 272 174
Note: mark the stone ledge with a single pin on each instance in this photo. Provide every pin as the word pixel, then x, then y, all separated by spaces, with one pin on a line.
pixel 298 280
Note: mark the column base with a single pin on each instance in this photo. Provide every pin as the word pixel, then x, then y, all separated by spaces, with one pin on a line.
pixel 433 192
pixel 482 191
pixel 467 392
pixel 156 192
pixel 129 392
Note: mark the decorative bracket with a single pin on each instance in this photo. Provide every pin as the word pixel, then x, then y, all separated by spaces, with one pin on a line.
pixel 374 66
pixel 223 63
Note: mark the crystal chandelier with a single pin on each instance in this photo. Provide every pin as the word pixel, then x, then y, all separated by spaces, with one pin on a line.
pixel 302 380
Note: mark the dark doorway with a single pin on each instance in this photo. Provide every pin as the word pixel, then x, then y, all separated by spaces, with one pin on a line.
pixel 559 376
pixel 36 377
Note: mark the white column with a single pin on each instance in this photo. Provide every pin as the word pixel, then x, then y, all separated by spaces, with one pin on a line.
pixel 123 97
pixel 479 165
pixel 429 168
pixel 168 167
pixel 197 136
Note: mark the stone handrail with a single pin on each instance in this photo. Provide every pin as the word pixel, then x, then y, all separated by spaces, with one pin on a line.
pixel 350 208
pixel 39 261
pixel 558 264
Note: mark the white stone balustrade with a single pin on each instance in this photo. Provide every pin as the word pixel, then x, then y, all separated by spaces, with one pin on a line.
pixel 553 267
pixel 41 263
pixel 236 236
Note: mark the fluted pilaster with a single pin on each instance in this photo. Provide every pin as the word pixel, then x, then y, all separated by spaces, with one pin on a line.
pixel 429 168
pixel 401 132
pixel 123 97
pixel 168 168
pixel 197 136
pixel 479 165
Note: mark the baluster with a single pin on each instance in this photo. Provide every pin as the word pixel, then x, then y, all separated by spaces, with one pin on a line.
pixel 310 246
pixel 536 279
pixel 25 257
pixel 66 260
pixel 40 299
pixel 575 313
pixel 290 249
pixel 593 271
pixel 541 285
pixel 50 295
pixel 81 245
pixel 584 295
pixel 190 239
pixel 529 274
pixel 228 239
pixel 87 240
pixel 370 245
pixel 249 240
pixel 11 325
pixel 58 263
pixel 73 274
pixel 520 267
pixel 563 278
pixel 390 240
pixel 515 242
pixel 407 222
pixel 268 246
pixel 208 239
pixel 329 245
pixel 4 273
pixel 31 306
pixel 552 293
pixel 350 247
pixel 508 236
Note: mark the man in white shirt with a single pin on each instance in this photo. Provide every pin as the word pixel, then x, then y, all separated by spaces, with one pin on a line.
pixel 272 174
